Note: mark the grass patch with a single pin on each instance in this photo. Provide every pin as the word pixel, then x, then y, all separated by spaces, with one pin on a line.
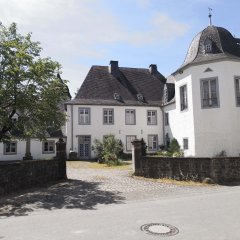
pixel 175 182
pixel 125 165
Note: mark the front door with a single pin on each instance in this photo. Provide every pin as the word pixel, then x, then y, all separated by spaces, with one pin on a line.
pixel 84 147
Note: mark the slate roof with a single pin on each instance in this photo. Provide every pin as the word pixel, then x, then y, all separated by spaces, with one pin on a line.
pixel 100 86
pixel 224 46
pixel 170 91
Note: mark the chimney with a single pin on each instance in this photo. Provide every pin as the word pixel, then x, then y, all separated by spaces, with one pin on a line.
pixel 113 68
pixel 153 68
pixel 153 71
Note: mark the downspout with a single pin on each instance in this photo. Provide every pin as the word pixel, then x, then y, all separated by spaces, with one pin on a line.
pixel 163 126
pixel 72 127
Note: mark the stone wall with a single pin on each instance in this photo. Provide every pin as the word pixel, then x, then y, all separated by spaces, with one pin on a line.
pixel 15 176
pixel 220 170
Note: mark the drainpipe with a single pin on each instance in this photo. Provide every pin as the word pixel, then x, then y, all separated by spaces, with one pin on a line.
pixel 163 126
pixel 72 127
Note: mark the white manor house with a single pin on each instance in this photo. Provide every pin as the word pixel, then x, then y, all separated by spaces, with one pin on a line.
pixel 199 104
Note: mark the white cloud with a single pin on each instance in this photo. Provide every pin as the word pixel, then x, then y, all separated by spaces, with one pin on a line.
pixel 169 29
pixel 74 73
pixel 70 29
pixel 76 25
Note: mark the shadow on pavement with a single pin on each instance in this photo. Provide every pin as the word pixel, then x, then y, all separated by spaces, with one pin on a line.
pixel 70 194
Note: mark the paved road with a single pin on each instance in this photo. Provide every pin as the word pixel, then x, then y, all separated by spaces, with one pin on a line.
pixel 110 204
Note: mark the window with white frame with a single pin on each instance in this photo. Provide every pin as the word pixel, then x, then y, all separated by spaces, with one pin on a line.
pixel 108 116
pixel 84 116
pixel 208 48
pixel 208 45
pixel 152 117
pixel 130 117
pixel 166 120
pixel 129 139
pixel 10 148
pixel 152 142
pixel 183 98
pixel 185 143
pixel 49 146
pixel 209 92
pixel 237 90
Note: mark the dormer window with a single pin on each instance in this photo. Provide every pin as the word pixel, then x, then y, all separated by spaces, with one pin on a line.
pixel 140 97
pixel 208 48
pixel 117 97
pixel 208 45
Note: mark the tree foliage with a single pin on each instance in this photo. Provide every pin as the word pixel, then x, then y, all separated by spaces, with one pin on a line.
pixel 29 87
pixel 174 146
pixel 108 150
pixel 174 150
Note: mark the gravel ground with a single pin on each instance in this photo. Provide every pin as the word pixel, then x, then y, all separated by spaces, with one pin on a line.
pixel 130 188
pixel 88 186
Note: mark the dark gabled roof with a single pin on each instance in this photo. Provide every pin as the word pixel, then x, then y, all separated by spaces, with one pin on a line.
pixel 67 92
pixel 169 93
pixel 224 45
pixel 100 86
pixel 54 134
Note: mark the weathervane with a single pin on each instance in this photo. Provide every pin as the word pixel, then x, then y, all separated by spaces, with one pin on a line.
pixel 210 16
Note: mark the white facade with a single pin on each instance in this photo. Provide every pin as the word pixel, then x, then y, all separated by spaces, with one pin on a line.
pixel 209 130
pixel 97 129
pixel 38 150
pixel 202 114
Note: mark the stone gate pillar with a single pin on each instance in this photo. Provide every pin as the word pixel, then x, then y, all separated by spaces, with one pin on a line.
pixel 28 155
pixel 136 156
pixel 61 157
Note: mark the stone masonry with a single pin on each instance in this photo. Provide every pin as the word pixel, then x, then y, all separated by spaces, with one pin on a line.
pixel 220 170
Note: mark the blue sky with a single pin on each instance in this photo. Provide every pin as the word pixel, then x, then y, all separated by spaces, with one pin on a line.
pixel 82 33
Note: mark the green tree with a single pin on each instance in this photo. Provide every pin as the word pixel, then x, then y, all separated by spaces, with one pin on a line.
pixel 30 87
pixel 174 146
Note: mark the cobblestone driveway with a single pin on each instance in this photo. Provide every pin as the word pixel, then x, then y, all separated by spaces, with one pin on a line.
pixel 88 187
pixel 134 188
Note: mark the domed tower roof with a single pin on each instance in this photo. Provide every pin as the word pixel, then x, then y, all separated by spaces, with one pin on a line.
pixel 211 44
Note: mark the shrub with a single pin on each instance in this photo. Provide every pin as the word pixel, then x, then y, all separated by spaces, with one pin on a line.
pixel 174 146
pixel 164 154
pixel 109 150
pixel 177 154
pixel 173 151
pixel 223 153
pixel 98 149
pixel 144 147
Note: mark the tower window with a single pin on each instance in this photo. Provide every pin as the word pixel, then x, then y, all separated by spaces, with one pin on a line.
pixel 208 48
pixel 208 45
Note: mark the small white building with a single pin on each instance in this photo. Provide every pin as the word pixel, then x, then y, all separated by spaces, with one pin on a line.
pixel 16 149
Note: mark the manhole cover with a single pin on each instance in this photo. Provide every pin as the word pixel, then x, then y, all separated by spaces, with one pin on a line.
pixel 160 229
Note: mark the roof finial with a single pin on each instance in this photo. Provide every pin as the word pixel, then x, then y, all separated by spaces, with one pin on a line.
pixel 210 16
